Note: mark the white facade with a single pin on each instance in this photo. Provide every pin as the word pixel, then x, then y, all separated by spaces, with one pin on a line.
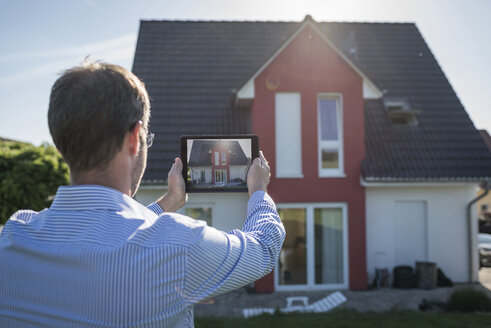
pixel 238 171
pixel 229 209
pixel 202 174
pixel 420 223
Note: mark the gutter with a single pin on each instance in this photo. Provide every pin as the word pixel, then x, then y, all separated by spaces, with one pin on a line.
pixel 486 186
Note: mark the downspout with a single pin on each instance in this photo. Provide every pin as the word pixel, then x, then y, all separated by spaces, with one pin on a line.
pixel 485 185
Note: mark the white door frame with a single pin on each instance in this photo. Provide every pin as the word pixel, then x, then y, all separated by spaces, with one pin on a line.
pixel 310 246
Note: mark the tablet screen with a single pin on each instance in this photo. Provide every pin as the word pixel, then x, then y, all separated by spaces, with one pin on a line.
pixel 217 163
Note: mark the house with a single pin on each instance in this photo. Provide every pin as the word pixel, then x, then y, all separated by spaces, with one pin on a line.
pixel 213 162
pixel 484 203
pixel 374 160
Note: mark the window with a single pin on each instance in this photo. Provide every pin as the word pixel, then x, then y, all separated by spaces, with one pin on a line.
pixel 224 158
pixel 200 213
pixel 400 111
pixel 217 158
pixel 293 256
pixel 315 251
pixel 330 136
pixel 328 235
pixel 220 176
pixel 288 135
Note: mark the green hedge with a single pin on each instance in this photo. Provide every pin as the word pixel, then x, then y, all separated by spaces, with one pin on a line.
pixel 469 300
pixel 29 176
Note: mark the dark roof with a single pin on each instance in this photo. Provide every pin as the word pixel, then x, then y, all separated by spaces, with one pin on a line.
pixel 486 137
pixel 192 70
pixel 200 153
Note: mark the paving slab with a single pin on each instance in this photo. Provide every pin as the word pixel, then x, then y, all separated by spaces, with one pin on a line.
pixel 377 300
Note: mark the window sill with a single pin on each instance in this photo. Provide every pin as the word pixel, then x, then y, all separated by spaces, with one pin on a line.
pixel 332 175
pixel 290 176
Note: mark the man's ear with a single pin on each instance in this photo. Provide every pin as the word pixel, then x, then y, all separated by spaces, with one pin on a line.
pixel 134 138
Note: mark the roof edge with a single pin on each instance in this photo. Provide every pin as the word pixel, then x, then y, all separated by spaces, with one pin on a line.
pixel 269 21
pixel 425 179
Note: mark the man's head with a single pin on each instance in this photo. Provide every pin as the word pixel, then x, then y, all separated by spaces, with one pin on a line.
pixel 92 109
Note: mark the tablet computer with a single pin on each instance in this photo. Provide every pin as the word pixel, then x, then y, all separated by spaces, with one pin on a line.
pixel 217 163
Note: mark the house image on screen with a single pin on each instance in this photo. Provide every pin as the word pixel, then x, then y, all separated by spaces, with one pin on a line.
pixel 217 162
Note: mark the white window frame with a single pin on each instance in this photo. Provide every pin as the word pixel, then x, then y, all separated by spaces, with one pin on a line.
pixel 217 158
pixel 310 248
pixel 331 145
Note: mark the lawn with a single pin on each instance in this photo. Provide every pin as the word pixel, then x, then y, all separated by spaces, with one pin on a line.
pixel 349 318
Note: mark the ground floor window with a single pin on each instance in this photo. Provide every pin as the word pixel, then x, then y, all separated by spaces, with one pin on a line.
pixel 220 175
pixel 200 213
pixel 315 252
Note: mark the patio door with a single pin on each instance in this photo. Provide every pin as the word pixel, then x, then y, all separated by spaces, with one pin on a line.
pixel 315 252
pixel 220 175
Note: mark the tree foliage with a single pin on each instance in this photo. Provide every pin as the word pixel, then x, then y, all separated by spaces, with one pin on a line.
pixel 29 176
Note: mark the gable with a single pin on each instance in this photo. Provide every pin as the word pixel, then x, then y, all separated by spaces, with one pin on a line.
pixel 201 152
pixel 370 90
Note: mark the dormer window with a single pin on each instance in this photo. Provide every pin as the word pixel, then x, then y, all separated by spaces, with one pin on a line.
pixel 400 111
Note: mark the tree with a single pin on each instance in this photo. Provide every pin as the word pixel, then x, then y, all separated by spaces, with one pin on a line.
pixel 29 176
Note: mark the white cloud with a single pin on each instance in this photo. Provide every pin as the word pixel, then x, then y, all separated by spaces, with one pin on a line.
pixel 118 50
pixel 101 46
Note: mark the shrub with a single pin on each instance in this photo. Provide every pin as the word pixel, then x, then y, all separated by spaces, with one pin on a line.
pixel 469 300
pixel 29 176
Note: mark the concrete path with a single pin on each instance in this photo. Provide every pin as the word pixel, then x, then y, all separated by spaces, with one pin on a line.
pixel 380 300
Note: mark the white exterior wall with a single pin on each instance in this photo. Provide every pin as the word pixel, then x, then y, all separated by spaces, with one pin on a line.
pixel 196 173
pixel 446 231
pixel 238 172
pixel 229 209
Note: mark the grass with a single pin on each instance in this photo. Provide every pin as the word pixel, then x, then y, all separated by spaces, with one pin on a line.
pixel 349 318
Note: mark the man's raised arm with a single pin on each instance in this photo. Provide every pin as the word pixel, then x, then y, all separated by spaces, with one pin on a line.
pixel 220 262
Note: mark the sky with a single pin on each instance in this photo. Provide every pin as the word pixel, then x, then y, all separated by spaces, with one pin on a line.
pixel 41 38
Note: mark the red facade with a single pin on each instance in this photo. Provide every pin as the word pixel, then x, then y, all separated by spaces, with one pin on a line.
pixel 222 165
pixel 309 66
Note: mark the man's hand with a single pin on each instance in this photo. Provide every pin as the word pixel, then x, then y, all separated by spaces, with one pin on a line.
pixel 176 195
pixel 258 175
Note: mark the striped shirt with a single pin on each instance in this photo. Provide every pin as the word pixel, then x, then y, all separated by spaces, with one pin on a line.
pixel 98 258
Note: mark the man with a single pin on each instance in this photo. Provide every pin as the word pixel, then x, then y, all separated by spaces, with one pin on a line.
pixel 98 258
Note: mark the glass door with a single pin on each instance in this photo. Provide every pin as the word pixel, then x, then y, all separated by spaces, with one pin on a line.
pixel 293 257
pixel 315 252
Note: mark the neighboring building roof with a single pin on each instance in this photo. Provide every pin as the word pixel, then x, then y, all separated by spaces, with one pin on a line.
pixel 192 70
pixel 201 153
pixel 12 140
pixel 486 137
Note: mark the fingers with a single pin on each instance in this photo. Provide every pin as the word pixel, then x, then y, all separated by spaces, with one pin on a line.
pixel 176 167
pixel 178 164
pixel 263 159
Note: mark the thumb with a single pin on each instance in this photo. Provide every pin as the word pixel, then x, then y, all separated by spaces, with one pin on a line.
pixel 178 163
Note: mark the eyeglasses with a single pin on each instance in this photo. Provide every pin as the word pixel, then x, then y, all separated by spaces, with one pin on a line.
pixel 150 137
